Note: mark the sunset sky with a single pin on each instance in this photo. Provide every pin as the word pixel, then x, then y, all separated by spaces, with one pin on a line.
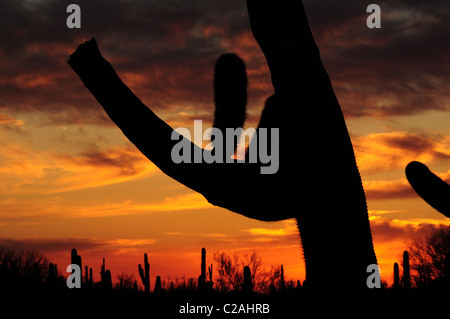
pixel 70 179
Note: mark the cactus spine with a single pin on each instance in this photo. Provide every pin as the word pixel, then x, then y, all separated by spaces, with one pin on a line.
pixel 145 274
pixel 406 272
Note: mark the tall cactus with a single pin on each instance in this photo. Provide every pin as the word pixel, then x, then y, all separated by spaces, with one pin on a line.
pixel 144 273
pixel 282 282
pixel 210 272
pixel 202 277
pixel 52 274
pixel 396 276
pixel 106 278
pixel 406 271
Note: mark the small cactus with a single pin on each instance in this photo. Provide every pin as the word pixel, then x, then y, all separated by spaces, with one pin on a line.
pixel 406 272
pixel 202 277
pixel 210 274
pixel 396 276
pixel 144 273
pixel 87 276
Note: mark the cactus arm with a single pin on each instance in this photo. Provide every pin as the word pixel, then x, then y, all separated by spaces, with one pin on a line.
pixel 151 135
pixel 430 187
pixel 230 95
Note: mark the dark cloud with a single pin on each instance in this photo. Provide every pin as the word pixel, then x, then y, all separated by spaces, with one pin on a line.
pixel 395 190
pixel 165 51
pixel 414 143
pixel 388 231
pixel 126 161
pixel 48 245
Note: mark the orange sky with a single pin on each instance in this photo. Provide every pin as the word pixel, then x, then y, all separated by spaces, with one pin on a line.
pixel 69 178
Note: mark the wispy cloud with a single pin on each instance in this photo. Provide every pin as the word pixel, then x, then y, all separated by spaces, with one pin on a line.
pixel 394 150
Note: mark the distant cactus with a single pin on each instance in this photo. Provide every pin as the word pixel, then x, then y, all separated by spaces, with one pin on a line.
pixel 248 285
pixel 210 272
pixel 396 276
pixel 52 274
pixel 202 277
pixel 106 279
pixel 87 276
pixel 145 274
pixel 157 289
pixel 282 282
pixel 406 272
pixel 107 284
pixel 75 258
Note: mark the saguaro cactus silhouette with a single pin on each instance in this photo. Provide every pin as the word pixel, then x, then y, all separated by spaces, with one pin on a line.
pixel 430 187
pixel 105 276
pixel 317 182
pixel 75 258
pixel 144 273
pixel 396 276
pixel 406 271
pixel 202 277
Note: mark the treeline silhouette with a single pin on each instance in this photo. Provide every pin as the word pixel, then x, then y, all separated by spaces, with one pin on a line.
pixel 26 272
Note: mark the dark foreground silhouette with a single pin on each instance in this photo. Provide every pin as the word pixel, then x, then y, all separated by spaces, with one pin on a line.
pixel 430 187
pixel 318 181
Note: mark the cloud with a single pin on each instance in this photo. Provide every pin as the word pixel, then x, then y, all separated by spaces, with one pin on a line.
pixel 390 230
pixel 61 245
pixel 394 150
pixel 25 170
pixel 165 52
pixel 52 244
